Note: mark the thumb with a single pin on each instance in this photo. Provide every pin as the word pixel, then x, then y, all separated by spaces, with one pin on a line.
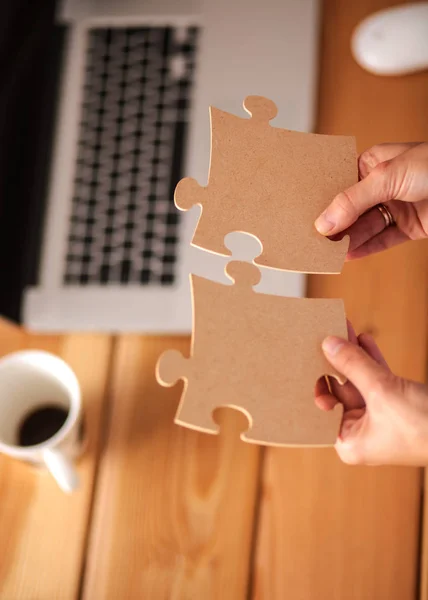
pixel 351 360
pixel 403 178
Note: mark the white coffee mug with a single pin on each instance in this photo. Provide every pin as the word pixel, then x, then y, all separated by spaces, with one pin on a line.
pixel 33 381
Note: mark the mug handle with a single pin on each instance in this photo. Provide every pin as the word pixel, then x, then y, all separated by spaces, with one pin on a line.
pixel 62 470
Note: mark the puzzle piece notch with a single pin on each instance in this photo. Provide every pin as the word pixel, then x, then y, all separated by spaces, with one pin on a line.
pixel 188 193
pixel 327 429
pixel 171 367
pixel 262 110
pixel 244 275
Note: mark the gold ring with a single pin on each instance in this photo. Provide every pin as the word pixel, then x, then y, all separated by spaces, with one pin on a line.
pixel 386 214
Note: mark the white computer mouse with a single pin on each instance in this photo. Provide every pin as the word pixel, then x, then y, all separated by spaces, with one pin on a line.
pixel 393 41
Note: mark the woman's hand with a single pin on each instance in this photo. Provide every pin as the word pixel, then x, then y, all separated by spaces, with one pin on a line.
pixel 385 418
pixel 392 174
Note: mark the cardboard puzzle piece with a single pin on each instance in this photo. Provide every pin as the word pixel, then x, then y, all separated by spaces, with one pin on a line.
pixel 260 354
pixel 271 183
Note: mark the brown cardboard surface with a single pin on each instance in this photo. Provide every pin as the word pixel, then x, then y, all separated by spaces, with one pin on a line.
pixel 260 354
pixel 271 183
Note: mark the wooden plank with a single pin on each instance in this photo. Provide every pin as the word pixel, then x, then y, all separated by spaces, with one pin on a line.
pixel 332 532
pixel 42 530
pixel 174 508
pixel 327 530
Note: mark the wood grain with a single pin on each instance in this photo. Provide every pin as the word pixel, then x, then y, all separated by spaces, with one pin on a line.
pixel 42 530
pixel 329 531
pixel 332 532
pixel 174 508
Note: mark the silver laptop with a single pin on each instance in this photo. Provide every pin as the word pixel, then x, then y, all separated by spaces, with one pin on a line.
pixel 136 83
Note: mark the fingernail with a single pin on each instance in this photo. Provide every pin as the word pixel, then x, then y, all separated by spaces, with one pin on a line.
pixel 332 345
pixel 325 223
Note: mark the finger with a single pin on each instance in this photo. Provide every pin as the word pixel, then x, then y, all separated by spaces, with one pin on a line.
pixel 392 236
pixel 326 402
pixel 321 387
pixel 353 362
pixel 329 388
pixel 375 155
pixel 350 444
pixel 324 399
pixel 368 344
pixel 366 227
pixel 347 394
pixel 403 177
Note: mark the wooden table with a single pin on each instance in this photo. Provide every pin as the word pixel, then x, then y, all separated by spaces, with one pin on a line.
pixel 167 513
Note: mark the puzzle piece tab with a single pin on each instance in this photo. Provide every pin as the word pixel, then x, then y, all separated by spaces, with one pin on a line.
pixel 260 354
pixel 271 183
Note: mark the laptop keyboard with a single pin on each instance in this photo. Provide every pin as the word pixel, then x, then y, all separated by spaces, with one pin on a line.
pixel 123 226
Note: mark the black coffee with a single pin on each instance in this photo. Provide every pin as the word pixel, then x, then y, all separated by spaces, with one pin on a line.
pixel 41 424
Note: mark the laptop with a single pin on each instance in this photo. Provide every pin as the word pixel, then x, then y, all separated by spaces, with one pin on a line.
pixel 135 82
